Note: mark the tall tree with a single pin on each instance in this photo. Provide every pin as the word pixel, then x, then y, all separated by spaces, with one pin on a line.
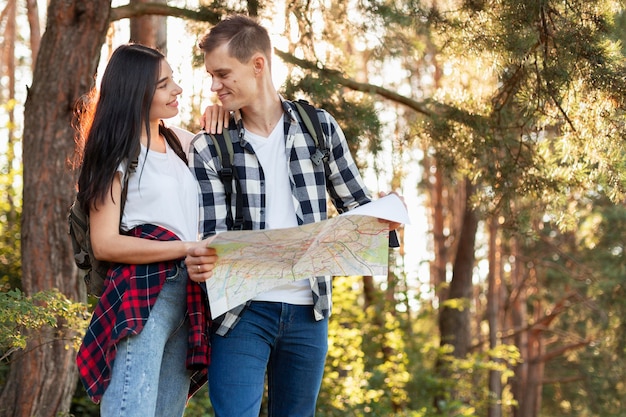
pixel 42 378
pixel 8 20
pixel 454 315
pixel 32 10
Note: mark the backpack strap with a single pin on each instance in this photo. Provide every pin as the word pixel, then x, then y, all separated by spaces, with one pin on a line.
pixel 129 170
pixel 308 113
pixel 225 152
pixel 227 173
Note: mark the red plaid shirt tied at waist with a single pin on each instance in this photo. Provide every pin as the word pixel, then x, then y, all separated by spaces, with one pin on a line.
pixel 129 295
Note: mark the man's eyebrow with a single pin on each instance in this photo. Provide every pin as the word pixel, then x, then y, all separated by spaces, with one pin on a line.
pixel 221 70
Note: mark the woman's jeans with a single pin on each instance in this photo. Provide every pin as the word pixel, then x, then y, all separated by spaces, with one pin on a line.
pixel 283 339
pixel 149 376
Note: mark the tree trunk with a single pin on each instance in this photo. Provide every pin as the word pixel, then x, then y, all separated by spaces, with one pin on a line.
pixel 537 350
pixel 149 30
pixel 438 266
pixel 7 69
pixel 42 378
pixel 32 10
pixel 518 321
pixel 454 323
pixel 494 313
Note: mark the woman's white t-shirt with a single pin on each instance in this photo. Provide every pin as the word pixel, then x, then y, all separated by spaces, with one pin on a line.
pixel 163 191
pixel 279 210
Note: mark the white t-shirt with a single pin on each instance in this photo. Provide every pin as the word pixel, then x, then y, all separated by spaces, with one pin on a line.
pixel 279 209
pixel 164 192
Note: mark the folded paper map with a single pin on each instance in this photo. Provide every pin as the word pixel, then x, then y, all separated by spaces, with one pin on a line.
pixel 254 261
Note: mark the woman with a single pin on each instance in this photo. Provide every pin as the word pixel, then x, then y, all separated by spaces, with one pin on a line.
pixel 147 333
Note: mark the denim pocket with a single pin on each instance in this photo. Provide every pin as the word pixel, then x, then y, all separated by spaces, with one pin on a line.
pixel 176 272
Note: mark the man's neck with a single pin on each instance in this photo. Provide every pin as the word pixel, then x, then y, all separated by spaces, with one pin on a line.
pixel 261 118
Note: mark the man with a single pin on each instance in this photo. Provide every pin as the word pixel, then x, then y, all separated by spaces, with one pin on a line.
pixel 282 332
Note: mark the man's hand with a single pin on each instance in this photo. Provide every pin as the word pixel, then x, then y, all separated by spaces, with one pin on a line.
pixel 392 225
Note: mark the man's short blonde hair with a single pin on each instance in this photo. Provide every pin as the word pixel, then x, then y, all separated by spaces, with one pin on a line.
pixel 243 35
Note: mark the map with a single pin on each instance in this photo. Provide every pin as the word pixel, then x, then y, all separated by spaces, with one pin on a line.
pixel 254 261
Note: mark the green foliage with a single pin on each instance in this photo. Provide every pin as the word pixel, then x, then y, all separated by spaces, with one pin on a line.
pixel 10 213
pixel 538 110
pixel 578 303
pixel 355 113
pixel 378 359
pixel 381 363
pixel 10 256
pixel 199 405
pixel 468 379
pixel 20 313
pixel 602 323
pixel 22 316
pixel 82 406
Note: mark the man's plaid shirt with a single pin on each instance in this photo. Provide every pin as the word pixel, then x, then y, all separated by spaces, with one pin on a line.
pixel 309 184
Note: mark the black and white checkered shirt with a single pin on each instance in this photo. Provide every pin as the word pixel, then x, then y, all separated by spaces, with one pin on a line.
pixel 309 184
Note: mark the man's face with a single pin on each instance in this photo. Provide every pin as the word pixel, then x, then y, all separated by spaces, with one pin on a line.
pixel 233 82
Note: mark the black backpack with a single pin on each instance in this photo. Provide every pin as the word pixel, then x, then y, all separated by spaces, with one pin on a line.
pixel 227 173
pixel 94 271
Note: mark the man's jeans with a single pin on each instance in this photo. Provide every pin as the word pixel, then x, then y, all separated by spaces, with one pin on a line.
pixel 286 340
pixel 149 377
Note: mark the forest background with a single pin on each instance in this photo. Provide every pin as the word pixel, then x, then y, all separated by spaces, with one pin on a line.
pixel 509 113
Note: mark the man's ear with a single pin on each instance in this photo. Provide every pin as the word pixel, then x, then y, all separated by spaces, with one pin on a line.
pixel 258 62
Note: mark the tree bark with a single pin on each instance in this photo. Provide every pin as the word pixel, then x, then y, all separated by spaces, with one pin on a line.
pixel 454 320
pixel 149 30
pixel 519 320
pixel 7 69
pixel 42 378
pixel 440 248
pixel 454 323
pixel 32 10
pixel 494 314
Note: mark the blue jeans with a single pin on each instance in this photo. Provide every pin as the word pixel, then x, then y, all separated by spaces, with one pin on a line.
pixel 282 339
pixel 149 376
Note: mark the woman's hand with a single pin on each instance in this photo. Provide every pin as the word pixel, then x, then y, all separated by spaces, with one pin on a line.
pixel 214 119
pixel 200 261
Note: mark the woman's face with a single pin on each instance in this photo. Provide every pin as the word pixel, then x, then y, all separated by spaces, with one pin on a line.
pixel 164 103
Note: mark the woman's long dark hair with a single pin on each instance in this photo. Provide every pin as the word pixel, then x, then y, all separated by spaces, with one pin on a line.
pixel 109 129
